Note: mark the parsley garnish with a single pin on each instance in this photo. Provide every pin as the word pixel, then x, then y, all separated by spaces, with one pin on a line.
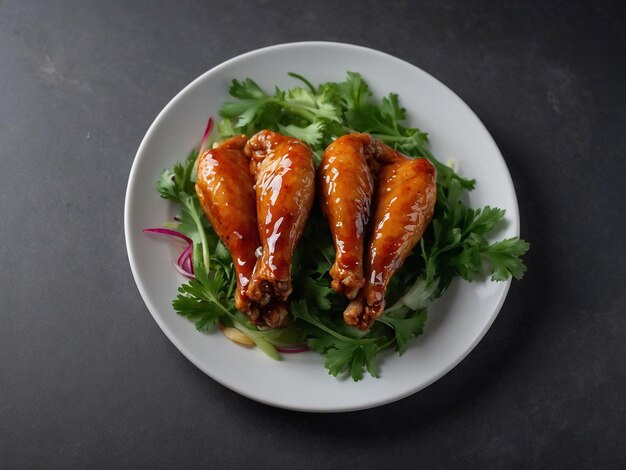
pixel 457 243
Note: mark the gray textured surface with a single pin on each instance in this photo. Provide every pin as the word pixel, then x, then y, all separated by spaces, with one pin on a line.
pixel 87 379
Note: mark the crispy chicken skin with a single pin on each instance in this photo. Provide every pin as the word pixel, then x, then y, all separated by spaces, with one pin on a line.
pixel 285 183
pixel 403 205
pixel 225 189
pixel 346 187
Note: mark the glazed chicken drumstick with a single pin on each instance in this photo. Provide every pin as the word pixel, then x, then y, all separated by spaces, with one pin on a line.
pixel 225 189
pixel 284 175
pixel 346 187
pixel 403 206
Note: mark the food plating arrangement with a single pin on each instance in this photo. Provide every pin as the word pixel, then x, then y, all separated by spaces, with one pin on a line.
pixel 314 219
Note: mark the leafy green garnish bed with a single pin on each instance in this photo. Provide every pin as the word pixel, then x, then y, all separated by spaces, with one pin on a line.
pixel 455 244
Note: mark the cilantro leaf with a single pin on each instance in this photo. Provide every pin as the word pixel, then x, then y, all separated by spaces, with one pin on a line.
pixel 351 358
pixel 468 261
pixel 246 90
pixel 317 293
pixel 405 327
pixel 201 299
pixel 178 181
pixel 391 109
pixel 482 221
pixel 311 134
pixel 504 257
pixel 343 353
pixel 354 92
pixel 341 357
pixel 417 296
pixel 320 105
pixel 321 343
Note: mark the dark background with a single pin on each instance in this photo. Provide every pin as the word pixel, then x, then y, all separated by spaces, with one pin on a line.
pixel 87 379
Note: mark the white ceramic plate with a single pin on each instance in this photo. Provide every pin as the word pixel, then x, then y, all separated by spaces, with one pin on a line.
pixel 456 322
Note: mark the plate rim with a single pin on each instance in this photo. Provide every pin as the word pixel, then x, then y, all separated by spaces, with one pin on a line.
pixel 191 356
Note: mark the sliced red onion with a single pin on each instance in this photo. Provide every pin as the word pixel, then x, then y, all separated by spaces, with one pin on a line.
pixel 188 264
pixel 296 348
pixel 169 232
pixel 207 132
pixel 184 261
pixel 184 255
pixel 183 272
pixel 183 265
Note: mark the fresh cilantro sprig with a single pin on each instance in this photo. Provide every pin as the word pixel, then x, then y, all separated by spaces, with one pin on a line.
pixel 178 185
pixel 204 299
pixel 458 243
pixel 341 351
pixel 318 116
